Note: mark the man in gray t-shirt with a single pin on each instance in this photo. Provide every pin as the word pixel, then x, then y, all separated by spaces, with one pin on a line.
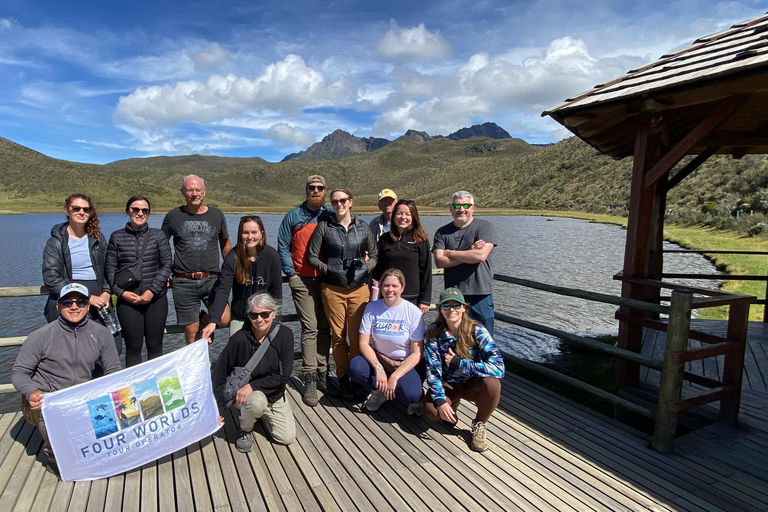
pixel 199 232
pixel 463 249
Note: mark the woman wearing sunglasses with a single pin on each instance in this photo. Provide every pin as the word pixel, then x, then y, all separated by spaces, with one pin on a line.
pixel 391 346
pixel 250 267
pixel 350 255
pixel 462 362
pixel 406 247
pixel 264 395
pixel 142 305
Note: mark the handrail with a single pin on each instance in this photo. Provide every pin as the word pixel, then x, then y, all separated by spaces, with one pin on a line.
pixel 670 401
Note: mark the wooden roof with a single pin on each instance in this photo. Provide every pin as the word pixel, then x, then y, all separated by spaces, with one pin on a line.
pixel 679 90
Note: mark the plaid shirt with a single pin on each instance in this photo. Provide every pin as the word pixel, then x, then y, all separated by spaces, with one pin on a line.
pixel 485 361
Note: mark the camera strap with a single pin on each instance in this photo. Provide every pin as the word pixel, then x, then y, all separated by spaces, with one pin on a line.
pixel 255 358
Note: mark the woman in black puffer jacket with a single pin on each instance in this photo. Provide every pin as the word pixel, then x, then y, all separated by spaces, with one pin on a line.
pixel 143 309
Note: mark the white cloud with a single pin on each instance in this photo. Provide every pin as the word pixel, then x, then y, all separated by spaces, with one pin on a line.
pixel 287 85
pixel 412 44
pixel 290 135
pixel 210 59
pixel 7 24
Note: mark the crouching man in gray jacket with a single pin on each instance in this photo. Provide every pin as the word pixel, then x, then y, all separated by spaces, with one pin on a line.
pixel 59 355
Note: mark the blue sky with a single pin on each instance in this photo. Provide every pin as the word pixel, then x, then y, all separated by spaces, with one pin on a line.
pixel 93 82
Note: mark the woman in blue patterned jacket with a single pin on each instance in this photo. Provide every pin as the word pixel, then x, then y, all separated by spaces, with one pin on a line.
pixel 462 362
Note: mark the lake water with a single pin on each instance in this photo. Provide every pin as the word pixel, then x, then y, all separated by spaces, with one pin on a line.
pixel 559 251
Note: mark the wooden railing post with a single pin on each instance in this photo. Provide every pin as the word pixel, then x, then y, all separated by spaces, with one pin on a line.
pixel 671 383
pixel 733 366
pixel 765 306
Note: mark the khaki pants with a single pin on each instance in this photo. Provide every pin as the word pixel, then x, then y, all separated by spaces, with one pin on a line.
pixel 344 308
pixel 315 333
pixel 277 417
pixel 36 419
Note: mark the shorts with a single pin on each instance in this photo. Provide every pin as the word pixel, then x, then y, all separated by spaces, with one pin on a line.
pixel 187 295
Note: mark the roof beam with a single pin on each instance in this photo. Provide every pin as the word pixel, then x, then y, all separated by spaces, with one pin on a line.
pixel 681 149
pixel 690 167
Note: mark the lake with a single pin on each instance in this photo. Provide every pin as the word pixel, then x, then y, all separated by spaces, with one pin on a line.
pixel 559 251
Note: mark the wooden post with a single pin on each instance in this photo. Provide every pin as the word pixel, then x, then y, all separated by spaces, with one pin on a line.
pixel 765 306
pixel 671 383
pixel 733 366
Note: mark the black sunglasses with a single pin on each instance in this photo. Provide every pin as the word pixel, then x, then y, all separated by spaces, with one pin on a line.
pixel 451 305
pixel 136 211
pixel 312 188
pixel 67 303
pixel 86 209
pixel 264 315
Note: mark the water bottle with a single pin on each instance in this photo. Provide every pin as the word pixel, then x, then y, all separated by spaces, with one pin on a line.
pixel 374 290
pixel 109 317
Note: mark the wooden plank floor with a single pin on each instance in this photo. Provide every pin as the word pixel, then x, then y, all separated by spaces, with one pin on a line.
pixel 547 454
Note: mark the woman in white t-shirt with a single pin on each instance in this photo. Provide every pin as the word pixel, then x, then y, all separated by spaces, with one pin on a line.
pixel 391 347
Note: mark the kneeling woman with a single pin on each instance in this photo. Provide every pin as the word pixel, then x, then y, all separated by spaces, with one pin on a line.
pixel 392 365
pixel 264 396
pixel 462 362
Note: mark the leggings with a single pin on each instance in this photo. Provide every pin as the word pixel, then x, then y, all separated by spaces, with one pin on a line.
pixel 145 321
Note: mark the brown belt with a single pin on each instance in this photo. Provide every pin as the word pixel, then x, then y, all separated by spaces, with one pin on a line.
pixel 193 275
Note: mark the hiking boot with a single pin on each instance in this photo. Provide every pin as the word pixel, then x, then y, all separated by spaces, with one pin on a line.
pixel 416 409
pixel 326 385
pixel 345 383
pixel 244 441
pixel 310 390
pixel 479 441
pixel 374 400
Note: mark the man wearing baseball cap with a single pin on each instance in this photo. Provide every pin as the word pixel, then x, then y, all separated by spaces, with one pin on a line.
pixel 382 223
pixel 59 355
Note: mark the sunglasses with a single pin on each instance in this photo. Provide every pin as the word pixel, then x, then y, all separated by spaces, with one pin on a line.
pixel 312 188
pixel 86 209
pixel 451 305
pixel 67 303
pixel 264 315
pixel 136 211
pixel 459 206
pixel 341 201
pixel 250 217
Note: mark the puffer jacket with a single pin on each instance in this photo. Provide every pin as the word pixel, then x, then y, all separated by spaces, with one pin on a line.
pixel 57 265
pixel 124 250
pixel 340 244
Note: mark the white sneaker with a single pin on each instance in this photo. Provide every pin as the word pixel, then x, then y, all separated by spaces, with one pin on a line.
pixel 374 400
pixel 416 409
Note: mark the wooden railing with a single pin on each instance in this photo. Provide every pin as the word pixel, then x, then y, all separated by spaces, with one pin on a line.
pixel 672 367
pixel 723 277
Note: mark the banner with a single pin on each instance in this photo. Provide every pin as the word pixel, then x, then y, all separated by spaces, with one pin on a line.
pixel 123 420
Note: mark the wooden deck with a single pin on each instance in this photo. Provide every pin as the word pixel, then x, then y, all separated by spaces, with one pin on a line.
pixel 547 454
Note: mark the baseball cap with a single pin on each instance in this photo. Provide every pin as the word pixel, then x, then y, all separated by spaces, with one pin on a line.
pixel 451 294
pixel 315 178
pixel 74 288
pixel 387 192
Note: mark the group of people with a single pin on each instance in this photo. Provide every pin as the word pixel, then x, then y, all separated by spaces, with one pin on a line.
pixel 336 266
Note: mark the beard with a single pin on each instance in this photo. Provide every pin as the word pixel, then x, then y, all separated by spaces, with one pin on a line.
pixel 315 203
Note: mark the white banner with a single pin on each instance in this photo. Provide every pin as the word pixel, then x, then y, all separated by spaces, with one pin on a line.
pixel 121 421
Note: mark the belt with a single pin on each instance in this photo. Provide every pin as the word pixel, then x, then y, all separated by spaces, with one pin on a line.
pixel 193 275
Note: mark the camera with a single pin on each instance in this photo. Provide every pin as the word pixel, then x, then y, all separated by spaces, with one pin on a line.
pixel 355 263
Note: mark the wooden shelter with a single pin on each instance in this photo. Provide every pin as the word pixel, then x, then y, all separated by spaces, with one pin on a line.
pixel 708 98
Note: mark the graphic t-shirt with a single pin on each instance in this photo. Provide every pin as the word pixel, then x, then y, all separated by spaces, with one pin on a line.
pixel 195 239
pixel 392 328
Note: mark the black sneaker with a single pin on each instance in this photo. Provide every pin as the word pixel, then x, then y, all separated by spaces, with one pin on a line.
pixel 326 385
pixel 347 392
pixel 244 442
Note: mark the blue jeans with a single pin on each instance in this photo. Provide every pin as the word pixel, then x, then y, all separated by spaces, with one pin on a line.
pixel 482 310
pixel 409 386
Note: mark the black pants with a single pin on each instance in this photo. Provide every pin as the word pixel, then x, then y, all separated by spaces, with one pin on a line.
pixel 145 321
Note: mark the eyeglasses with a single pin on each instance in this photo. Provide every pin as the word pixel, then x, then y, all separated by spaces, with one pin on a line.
pixel 136 211
pixel 459 206
pixel 250 217
pixel 341 201
pixel 67 303
pixel 312 188
pixel 264 315
pixel 451 305
pixel 194 190
pixel 86 209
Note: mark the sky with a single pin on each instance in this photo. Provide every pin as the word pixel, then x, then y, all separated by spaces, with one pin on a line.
pixel 102 81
